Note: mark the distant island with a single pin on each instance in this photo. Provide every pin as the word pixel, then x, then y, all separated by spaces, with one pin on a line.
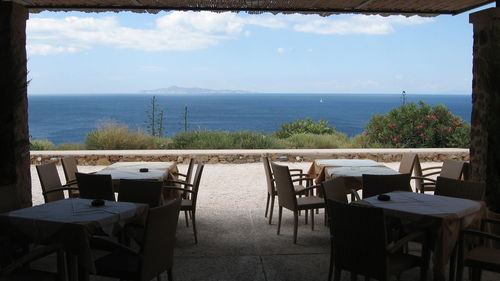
pixel 195 90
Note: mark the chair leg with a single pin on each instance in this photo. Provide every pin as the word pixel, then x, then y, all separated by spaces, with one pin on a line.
pixel 336 274
pixel 280 212
pixel 354 276
pixel 186 217
pixel 453 263
pixel 330 268
pixel 307 215
pixel 169 275
pixel 272 209
pixel 194 227
pixel 312 220
pixel 295 225
pixel 267 204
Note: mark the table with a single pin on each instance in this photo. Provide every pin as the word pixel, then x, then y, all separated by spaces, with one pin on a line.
pixel 160 171
pixel 72 222
pixel 351 169
pixel 443 216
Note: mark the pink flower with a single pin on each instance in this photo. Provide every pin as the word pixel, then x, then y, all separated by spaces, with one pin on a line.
pixel 449 129
pixel 457 123
pixel 422 134
pixel 394 139
pixel 419 126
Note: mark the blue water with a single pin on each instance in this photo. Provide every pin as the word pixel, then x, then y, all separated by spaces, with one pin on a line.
pixel 69 118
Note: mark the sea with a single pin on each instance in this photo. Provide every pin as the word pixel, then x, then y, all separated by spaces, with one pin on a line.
pixel 69 118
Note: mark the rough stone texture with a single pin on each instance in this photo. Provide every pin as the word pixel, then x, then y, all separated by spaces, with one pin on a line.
pixel 485 132
pixel 245 156
pixel 14 140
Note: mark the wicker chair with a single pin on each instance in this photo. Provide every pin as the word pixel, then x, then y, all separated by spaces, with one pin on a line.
pixel 460 189
pixel 93 186
pixel 52 189
pixel 271 185
pixel 452 169
pixel 189 205
pixel 287 198
pixel 480 257
pixel 140 191
pixel 156 254
pixel 360 244
pixel 378 184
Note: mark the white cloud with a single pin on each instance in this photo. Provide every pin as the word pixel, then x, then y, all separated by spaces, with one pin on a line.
pixel 359 24
pixel 280 50
pixel 184 31
pixel 152 68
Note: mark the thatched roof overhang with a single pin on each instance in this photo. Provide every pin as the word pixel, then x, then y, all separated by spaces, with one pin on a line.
pixel 321 7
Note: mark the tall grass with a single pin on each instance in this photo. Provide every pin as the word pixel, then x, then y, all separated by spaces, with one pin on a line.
pixel 336 140
pixel 224 140
pixel 112 136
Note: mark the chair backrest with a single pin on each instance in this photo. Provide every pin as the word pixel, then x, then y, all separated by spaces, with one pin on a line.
pixel 159 239
pixel 408 163
pixel 335 189
pixel 70 168
pixel 359 239
pixel 284 186
pixel 94 186
pixel 379 184
pixel 196 182
pixel 271 189
pixel 49 179
pixel 460 189
pixel 8 198
pixel 140 191
pixel 189 172
pixel 452 169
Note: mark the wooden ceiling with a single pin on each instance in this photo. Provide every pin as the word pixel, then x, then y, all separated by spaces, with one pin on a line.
pixel 322 7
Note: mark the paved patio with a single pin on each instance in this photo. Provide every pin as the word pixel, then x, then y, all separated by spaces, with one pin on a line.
pixel 235 240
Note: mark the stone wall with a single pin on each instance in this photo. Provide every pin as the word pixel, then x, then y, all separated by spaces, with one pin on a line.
pixel 485 131
pixel 14 138
pixel 245 156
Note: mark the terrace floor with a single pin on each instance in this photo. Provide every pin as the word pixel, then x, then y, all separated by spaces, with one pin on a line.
pixel 235 240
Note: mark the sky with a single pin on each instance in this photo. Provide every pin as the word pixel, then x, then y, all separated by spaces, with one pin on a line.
pixel 91 53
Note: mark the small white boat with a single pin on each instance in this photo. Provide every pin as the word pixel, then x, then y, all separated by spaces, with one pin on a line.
pixel 320 100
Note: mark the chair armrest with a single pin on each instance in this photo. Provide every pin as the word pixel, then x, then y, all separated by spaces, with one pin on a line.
pixel 178 188
pixel 424 178
pixel 59 189
pixel 178 174
pixel 431 174
pixel 301 175
pixel 301 171
pixel 480 234
pixel 303 179
pixel 106 244
pixel 180 182
pixel 32 255
pixel 396 246
pixel 69 183
pixel 432 168
pixel 308 188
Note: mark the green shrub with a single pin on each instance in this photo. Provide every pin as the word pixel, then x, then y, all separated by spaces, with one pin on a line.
pixel 419 125
pixel 113 136
pixel 41 145
pixel 362 141
pixel 336 140
pixel 71 146
pixel 307 126
pixel 224 140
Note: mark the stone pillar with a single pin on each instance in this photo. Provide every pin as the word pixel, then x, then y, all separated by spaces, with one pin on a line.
pixel 14 138
pixel 485 133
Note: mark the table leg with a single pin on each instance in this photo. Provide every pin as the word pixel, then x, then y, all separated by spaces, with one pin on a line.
pixel 72 261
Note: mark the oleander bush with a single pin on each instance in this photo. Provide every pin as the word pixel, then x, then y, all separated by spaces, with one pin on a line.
pixel 41 145
pixel 112 136
pixel 335 140
pixel 307 126
pixel 418 125
pixel 224 140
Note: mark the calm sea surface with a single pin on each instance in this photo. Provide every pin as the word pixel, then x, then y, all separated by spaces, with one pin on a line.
pixel 69 118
